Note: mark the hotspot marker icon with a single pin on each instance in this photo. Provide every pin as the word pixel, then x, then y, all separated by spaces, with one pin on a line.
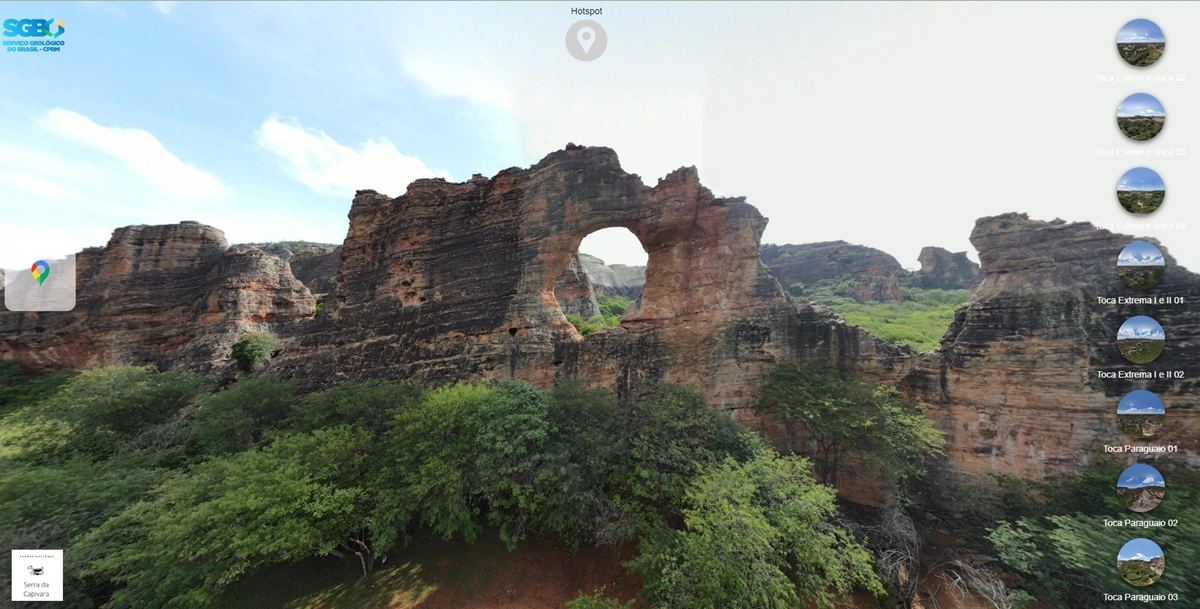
pixel 587 37
pixel 586 40
pixel 40 271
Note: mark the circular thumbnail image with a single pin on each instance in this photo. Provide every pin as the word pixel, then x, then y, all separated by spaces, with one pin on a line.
pixel 1141 191
pixel 1141 339
pixel 1141 42
pixel 1141 562
pixel 1141 117
pixel 1141 265
pixel 1141 488
pixel 1141 414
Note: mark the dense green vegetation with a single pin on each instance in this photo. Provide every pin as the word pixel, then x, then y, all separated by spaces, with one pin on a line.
pixel 1141 277
pixel 296 247
pixel 1141 201
pixel 164 492
pixel 1141 53
pixel 1140 128
pixel 611 310
pixel 1052 533
pixel 920 320
pixel 253 350
pixel 1141 425
pixel 841 419
pixel 1141 350
pixel 1139 572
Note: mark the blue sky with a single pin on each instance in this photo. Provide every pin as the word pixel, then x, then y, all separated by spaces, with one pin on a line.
pixel 1141 401
pixel 1140 549
pixel 263 118
pixel 1141 327
pixel 1140 104
pixel 1139 475
pixel 1141 253
pixel 1141 30
pixel 1141 178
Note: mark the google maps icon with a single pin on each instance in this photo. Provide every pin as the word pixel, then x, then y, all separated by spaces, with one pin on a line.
pixel 40 271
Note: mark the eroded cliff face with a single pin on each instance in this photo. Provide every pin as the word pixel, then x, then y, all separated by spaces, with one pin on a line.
pixel 946 270
pixel 1017 381
pixel 173 296
pixel 458 281
pixel 873 274
pixel 573 290
pixel 455 281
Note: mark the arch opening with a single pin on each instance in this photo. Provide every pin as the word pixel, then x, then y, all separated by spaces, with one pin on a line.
pixel 602 281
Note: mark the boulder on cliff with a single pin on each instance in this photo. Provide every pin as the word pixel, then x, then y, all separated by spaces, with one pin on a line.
pixel 946 270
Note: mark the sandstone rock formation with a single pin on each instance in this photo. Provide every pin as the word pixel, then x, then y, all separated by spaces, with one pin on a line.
pixel 874 274
pixel 941 269
pixel 1017 381
pixel 174 296
pixel 316 270
pixel 614 279
pixel 573 290
pixel 458 281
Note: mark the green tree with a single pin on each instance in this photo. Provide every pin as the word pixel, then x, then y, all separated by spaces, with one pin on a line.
pixel 841 415
pixel 512 465
pixel 426 474
pixel 585 327
pixel 369 405
pixel 241 416
pixel 1049 532
pixel 673 435
pixel 19 389
pixel 254 350
pixel 300 496
pixel 96 413
pixel 613 306
pixel 756 535
pixel 586 446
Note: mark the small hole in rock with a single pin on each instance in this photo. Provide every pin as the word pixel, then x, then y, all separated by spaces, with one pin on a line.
pixel 512 331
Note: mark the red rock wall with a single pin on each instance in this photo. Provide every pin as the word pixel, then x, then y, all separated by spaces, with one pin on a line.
pixel 173 296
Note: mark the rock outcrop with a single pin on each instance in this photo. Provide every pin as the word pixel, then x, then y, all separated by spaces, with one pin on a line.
pixel 614 279
pixel 458 281
pixel 573 290
pixel 942 269
pixel 173 296
pixel 1028 377
pixel 316 270
pixel 871 273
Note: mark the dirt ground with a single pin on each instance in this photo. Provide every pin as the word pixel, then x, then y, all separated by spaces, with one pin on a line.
pixel 434 574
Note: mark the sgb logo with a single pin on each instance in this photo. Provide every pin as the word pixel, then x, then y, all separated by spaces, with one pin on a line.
pixel 34 27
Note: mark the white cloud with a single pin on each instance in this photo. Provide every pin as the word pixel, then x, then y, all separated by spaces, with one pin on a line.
pixel 165 6
pixel 138 150
pixel 454 81
pixel 37 186
pixel 330 168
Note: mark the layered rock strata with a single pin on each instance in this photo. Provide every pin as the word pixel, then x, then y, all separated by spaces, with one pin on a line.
pixel 456 281
pixel 573 290
pixel 946 270
pixel 1028 377
pixel 874 274
pixel 172 296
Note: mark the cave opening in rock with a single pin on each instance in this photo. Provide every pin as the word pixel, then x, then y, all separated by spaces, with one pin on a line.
pixel 602 282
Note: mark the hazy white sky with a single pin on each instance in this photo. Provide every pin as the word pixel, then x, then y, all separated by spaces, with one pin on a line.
pixel 890 125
